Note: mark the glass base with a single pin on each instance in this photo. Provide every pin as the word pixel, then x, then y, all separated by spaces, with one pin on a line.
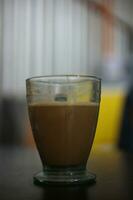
pixel 67 177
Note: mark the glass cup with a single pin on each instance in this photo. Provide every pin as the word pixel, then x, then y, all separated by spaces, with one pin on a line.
pixel 63 112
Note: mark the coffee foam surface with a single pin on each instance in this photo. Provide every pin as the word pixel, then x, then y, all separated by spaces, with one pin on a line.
pixel 64 104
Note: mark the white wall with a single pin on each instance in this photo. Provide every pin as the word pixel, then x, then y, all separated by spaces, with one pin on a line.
pixel 1 43
pixel 42 37
pixel 1 63
pixel 123 10
pixel 47 37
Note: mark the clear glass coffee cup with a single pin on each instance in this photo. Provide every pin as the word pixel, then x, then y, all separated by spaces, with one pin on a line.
pixel 63 112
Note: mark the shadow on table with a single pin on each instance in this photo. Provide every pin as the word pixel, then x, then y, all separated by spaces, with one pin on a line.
pixel 128 168
pixel 65 193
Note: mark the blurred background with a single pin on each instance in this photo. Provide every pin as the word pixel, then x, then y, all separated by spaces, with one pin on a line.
pixel 44 37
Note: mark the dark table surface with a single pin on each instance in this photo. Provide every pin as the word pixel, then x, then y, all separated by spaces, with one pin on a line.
pixel 114 171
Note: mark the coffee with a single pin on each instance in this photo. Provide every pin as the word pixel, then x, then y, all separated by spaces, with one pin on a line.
pixel 64 133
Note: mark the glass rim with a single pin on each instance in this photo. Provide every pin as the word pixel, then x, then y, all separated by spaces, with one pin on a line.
pixel 85 77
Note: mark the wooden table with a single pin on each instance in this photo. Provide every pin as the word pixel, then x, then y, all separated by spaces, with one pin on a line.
pixel 114 171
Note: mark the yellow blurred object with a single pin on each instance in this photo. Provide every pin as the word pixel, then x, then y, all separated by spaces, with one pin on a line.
pixel 110 116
